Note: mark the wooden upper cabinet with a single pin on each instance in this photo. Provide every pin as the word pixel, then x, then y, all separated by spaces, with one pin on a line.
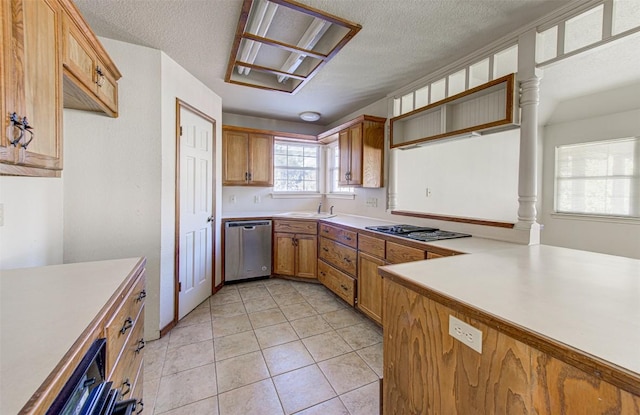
pixel 260 160
pixel 361 148
pixel 36 44
pixel 247 158
pixel 31 143
pixel 90 77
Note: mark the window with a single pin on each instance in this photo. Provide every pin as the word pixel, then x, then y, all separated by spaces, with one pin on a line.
pixel 334 171
pixel 600 178
pixel 296 167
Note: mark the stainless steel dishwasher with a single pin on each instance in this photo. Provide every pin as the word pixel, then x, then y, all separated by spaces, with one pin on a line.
pixel 247 249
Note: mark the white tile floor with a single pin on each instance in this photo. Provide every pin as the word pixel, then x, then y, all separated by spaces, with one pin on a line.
pixel 267 347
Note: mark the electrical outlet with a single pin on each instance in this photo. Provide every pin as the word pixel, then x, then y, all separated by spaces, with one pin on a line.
pixel 427 193
pixel 468 335
pixel 256 199
pixel 371 202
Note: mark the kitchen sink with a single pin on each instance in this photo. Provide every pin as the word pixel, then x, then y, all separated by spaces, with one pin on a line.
pixel 306 215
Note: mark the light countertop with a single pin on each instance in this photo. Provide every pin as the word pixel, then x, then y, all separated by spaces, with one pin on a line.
pixel 471 245
pixel 585 300
pixel 43 311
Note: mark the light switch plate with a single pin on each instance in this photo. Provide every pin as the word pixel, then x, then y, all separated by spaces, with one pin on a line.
pixel 466 334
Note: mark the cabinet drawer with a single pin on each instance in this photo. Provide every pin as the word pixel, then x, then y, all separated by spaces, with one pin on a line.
pixel 338 255
pixel 126 370
pixel 371 246
pixel 397 254
pixel 137 386
pixel 343 236
pixel 296 226
pixel 120 326
pixel 340 283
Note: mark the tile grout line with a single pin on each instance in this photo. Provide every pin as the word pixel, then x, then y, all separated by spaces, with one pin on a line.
pixel 270 296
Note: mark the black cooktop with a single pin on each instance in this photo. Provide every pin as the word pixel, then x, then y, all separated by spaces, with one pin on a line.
pixel 418 233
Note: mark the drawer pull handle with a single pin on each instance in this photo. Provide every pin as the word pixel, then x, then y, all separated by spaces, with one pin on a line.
pixel 344 287
pixel 142 295
pixel 347 260
pixel 325 249
pixel 141 405
pixel 323 273
pixel 100 77
pixel 325 230
pixel 128 385
pixel 348 238
pixel 141 344
pixel 128 323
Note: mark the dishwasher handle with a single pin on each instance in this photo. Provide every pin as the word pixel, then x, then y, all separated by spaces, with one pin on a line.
pixel 249 228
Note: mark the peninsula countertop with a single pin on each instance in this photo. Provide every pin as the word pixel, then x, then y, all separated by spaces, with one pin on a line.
pixel 587 301
pixel 43 311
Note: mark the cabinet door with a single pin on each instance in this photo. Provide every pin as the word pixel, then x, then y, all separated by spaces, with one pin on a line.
pixel 284 254
pixel 345 158
pixel 307 256
pixel 398 254
pixel 106 87
pixel 261 160
pixel 35 82
pixel 7 151
pixel 78 58
pixel 235 150
pixel 370 286
pixel 355 148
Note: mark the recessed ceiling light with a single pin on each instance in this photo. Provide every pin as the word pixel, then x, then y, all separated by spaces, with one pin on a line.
pixel 310 116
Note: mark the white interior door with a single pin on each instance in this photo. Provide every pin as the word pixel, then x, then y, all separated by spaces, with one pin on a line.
pixel 196 225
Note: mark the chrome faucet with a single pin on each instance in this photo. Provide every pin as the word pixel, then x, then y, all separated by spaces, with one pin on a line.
pixel 319 207
pixel 331 210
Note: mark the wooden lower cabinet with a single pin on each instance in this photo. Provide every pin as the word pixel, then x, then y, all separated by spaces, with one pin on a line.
pixel 295 255
pixel 338 255
pixel 125 342
pixel 426 371
pixel 370 287
pixel 398 253
pixel 337 281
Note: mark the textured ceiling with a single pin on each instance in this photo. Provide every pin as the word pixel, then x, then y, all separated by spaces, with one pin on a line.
pixel 401 41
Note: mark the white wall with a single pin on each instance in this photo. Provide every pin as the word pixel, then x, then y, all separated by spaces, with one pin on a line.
pixel 272 125
pixel 32 231
pixel 494 193
pixel 178 83
pixel 469 177
pixel 606 236
pixel 120 195
pixel 113 172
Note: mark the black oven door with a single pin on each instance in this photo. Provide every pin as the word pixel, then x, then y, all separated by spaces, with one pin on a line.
pixel 87 393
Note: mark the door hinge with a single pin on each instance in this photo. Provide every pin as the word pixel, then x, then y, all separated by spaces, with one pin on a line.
pixel 179 287
pixel 180 131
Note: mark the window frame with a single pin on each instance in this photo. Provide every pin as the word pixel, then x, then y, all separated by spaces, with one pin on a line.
pixel 333 157
pixel 634 177
pixel 318 169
